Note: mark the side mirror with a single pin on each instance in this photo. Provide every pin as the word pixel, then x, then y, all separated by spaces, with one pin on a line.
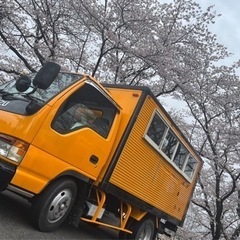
pixel 23 83
pixel 46 75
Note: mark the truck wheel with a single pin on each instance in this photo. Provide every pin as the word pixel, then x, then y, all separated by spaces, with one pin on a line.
pixel 144 230
pixel 51 208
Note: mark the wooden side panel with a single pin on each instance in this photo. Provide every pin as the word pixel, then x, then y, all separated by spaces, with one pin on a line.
pixel 144 173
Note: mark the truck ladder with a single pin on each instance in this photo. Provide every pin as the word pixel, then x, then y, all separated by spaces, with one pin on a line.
pixel 124 215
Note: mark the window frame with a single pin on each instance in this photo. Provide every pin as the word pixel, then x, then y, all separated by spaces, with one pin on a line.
pixel 179 142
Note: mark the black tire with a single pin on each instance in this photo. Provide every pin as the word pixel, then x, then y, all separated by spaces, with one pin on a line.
pixel 144 230
pixel 125 235
pixel 53 205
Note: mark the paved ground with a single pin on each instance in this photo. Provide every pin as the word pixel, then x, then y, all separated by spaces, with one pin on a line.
pixel 14 224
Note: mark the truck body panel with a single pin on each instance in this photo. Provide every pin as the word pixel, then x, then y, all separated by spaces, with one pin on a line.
pixel 145 174
pixel 22 127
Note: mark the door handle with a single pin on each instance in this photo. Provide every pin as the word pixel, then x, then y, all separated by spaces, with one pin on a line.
pixel 94 159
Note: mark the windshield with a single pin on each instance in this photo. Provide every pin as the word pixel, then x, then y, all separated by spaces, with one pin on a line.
pixel 62 81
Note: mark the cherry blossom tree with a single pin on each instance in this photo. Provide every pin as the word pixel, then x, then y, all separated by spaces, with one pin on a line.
pixel 130 42
pixel 214 109
pixel 2 10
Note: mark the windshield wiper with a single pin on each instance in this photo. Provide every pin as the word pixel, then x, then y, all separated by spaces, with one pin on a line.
pixel 10 96
pixel 2 91
pixel 32 98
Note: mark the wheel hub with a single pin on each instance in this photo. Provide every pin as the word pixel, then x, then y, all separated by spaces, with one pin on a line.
pixel 146 233
pixel 59 206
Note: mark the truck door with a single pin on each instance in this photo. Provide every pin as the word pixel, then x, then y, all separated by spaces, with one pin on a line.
pixel 80 130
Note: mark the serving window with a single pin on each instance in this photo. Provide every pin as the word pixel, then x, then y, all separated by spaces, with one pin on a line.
pixel 164 140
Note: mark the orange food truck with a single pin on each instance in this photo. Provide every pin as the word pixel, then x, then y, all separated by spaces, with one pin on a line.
pixel 105 154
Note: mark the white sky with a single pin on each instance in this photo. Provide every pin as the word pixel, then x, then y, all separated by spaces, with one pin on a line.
pixel 227 26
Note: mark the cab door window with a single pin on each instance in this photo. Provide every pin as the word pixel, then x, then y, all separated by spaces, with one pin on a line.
pixel 86 108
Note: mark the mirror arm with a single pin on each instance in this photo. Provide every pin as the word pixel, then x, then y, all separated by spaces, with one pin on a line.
pixel 33 90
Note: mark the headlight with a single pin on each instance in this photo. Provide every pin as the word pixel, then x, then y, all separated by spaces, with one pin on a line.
pixel 12 148
pixel 4 148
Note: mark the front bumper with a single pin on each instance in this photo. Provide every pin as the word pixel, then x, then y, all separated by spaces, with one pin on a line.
pixel 7 172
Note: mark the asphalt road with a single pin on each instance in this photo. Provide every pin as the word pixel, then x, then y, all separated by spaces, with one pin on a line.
pixel 14 224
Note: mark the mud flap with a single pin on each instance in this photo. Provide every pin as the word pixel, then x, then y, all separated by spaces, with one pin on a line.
pixel 78 208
